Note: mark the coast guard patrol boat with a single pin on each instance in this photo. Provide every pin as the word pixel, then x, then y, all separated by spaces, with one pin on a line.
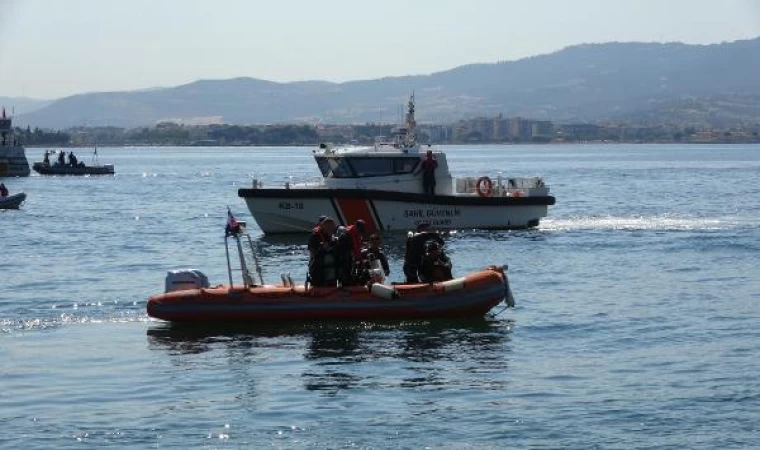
pixel 382 184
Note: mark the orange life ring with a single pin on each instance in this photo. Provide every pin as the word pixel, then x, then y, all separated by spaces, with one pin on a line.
pixel 484 186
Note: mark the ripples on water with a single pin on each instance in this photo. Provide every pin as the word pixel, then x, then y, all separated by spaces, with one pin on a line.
pixel 635 326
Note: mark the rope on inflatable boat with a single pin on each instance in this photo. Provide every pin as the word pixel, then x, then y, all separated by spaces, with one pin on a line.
pixel 506 307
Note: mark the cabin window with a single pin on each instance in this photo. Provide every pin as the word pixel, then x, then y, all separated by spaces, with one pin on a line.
pixel 324 166
pixel 332 167
pixel 372 167
pixel 351 167
pixel 404 165
pixel 340 168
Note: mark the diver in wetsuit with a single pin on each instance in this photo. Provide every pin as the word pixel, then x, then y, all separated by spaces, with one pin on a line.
pixel 415 250
pixel 349 253
pixel 436 266
pixel 323 255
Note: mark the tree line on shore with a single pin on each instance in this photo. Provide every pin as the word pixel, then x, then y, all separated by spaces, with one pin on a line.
pixel 171 134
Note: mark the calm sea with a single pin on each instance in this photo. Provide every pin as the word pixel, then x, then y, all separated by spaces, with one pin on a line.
pixel 637 322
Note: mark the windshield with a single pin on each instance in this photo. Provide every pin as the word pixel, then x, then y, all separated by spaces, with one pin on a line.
pixel 366 166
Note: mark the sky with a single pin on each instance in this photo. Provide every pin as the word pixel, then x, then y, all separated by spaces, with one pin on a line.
pixel 54 48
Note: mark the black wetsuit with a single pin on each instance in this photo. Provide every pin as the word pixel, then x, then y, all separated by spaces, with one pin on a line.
pixel 415 250
pixel 322 260
pixel 437 268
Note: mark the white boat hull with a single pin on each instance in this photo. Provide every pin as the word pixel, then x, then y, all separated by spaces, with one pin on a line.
pixel 296 211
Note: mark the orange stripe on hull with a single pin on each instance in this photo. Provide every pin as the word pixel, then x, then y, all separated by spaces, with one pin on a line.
pixel 354 209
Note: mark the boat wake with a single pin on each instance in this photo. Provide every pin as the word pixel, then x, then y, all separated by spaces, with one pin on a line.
pixel 8 326
pixel 60 315
pixel 640 223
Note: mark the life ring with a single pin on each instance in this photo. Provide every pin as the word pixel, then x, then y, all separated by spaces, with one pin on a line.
pixel 484 186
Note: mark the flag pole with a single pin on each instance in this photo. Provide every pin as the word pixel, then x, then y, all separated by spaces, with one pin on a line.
pixel 227 251
pixel 227 232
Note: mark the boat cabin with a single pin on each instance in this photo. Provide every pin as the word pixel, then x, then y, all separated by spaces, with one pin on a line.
pixel 379 167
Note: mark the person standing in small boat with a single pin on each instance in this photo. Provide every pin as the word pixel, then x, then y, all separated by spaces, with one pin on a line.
pixel 61 158
pixel 436 266
pixel 428 173
pixel 3 190
pixel 322 254
pixel 415 250
pixel 46 160
pixel 350 253
pixel 73 159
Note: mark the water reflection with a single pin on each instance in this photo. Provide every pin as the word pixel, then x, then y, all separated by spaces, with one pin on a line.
pixel 411 355
pixel 339 356
pixel 339 343
pixel 345 340
pixel 196 339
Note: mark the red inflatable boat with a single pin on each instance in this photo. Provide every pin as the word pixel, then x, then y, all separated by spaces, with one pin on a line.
pixel 189 298
pixel 472 295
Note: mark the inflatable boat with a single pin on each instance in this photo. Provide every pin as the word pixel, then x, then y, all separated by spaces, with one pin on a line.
pixel 472 295
pixel 46 169
pixel 12 201
pixel 188 297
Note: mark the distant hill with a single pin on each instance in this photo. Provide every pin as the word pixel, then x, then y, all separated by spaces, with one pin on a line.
pixel 716 111
pixel 22 105
pixel 589 82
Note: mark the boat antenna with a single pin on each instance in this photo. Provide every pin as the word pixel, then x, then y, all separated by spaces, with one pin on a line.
pixel 95 160
pixel 411 124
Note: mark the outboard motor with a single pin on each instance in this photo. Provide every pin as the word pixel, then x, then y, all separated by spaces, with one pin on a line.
pixel 179 280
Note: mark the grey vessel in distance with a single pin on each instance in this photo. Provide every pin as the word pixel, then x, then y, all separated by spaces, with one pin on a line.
pixel 13 162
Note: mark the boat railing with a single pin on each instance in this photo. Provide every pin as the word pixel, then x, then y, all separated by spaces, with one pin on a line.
pixel 315 182
pixel 249 267
pixel 499 186
pixel 319 183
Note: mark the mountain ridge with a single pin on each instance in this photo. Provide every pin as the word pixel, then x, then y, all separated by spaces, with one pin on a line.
pixel 585 82
pixel 23 105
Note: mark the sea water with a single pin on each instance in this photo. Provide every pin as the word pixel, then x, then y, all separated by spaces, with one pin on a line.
pixel 636 326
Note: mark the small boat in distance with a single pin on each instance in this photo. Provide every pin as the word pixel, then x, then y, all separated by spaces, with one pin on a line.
pixel 59 167
pixel 188 297
pixel 12 201
pixel 394 186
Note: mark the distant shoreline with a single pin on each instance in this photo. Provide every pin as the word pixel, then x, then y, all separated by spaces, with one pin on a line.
pixel 474 144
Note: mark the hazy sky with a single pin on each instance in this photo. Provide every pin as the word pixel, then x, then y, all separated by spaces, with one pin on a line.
pixel 53 48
